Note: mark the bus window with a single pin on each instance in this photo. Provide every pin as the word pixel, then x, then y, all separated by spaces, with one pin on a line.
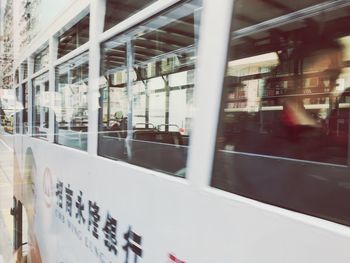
pixel 41 59
pixel 284 125
pixel 71 102
pixel 24 68
pixel 147 89
pixel 25 107
pixel 267 10
pixel 40 106
pixel 119 10
pixel 18 111
pixel 16 78
pixel 74 37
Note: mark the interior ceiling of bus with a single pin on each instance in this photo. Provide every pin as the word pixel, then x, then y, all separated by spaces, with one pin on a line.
pixel 331 23
pixel 73 63
pixel 161 36
pixel 180 33
pixel 74 37
pixel 155 42
pixel 118 10
pixel 255 11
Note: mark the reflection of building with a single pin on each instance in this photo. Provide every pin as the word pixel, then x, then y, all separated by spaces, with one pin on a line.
pixel 21 21
pixel 6 51
pixel 27 21
pixel 18 23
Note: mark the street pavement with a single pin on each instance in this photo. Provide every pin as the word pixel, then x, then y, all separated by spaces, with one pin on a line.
pixel 6 195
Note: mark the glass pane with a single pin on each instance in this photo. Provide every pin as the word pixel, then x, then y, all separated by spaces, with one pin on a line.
pixel 24 67
pixel 147 89
pixel 71 106
pixel 119 10
pixel 246 11
pixel 18 112
pixel 7 110
pixel 114 100
pixel 74 37
pixel 41 100
pixel 16 77
pixel 41 59
pixel 284 127
pixel 25 107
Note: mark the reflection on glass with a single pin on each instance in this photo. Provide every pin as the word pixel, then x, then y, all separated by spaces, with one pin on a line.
pixel 246 14
pixel 74 37
pixel 16 77
pixel 24 68
pixel 41 59
pixel 25 107
pixel 283 132
pixel 114 90
pixel 18 113
pixel 71 102
pixel 147 89
pixel 41 100
pixel 119 10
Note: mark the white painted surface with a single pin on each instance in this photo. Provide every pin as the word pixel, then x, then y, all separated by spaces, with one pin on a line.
pixel 174 216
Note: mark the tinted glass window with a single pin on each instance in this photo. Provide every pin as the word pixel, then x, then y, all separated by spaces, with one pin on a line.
pixel 147 91
pixel 118 10
pixel 71 104
pixel 74 37
pixel 284 125
pixel 41 100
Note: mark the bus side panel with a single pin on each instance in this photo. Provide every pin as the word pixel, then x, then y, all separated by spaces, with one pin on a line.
pixel 90 209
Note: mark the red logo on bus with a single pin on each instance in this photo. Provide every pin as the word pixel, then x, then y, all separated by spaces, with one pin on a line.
pixel 47 187
pixel 173 259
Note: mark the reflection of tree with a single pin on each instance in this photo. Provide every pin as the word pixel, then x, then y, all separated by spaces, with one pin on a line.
pixel 27 21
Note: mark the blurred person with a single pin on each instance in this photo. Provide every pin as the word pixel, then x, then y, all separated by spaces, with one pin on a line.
pixel 304 129
pixel 324 58
pixel 119 123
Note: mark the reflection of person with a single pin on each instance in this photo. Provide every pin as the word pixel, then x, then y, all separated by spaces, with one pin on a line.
pixel 321 57
pixel 120 123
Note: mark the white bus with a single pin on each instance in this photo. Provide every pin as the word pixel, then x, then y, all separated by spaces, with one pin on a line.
pixel 185 131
